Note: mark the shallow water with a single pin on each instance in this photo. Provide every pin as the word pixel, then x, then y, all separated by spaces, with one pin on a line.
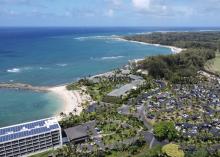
pixel 19 106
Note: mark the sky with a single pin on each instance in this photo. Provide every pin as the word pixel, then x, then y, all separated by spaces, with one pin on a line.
pixel 110 13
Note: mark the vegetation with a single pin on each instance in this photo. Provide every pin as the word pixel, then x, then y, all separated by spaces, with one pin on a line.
pixel 214 64
pixel 114 126
pixel 182 67
pixel 154 152
pixel 134 151
pixel 97 90
pixel 116 131
pixel 165 130
pixel 149 84
pixel 203 40
pixel 172 150
pixel 201 152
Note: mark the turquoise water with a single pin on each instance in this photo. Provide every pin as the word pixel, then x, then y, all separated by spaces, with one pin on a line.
pixel 53 56
pixel 20 106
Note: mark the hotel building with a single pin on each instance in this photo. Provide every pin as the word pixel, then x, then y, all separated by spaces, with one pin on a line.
pixel 30 138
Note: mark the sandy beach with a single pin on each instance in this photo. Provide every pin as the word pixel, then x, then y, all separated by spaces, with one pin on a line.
pixel 72 100
pixel 174 49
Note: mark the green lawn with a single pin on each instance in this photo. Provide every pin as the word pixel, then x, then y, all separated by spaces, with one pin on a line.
pixel 214 64
pixel 43 154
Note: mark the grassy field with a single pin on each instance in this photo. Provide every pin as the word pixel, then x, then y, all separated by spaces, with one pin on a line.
pixel 214 65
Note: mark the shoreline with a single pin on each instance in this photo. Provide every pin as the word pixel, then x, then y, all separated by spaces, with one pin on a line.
pixel 174 50
pixel 71 100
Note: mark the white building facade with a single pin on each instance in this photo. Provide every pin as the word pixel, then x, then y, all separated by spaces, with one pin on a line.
pixel 29 138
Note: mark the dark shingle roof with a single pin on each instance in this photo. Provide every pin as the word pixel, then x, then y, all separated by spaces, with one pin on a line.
pixel 79 131
pixel 76 132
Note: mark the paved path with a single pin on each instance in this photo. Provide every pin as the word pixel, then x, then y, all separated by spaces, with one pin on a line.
pixel 152 142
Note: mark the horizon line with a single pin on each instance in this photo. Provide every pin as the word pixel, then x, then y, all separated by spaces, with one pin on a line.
pixel 109 26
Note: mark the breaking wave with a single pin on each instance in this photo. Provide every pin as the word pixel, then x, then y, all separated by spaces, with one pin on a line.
pixel 112 37
pixel 108 58
pixel 22 69
pixel 18 70
pixel 112 57
pixel 14 70
pixel 62 64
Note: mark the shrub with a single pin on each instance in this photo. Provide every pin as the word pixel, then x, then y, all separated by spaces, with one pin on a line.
pixel 172 150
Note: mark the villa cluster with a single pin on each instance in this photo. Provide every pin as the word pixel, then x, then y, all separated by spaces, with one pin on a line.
pixel 194 108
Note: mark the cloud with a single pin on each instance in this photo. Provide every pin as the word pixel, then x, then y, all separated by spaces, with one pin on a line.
pixel 152 7
pixel 159 8
pixel 116 2
pixel 8 12
pixel 209 7
pixel 120 12
pixel 141 4
pixel 21 2
pixel 110 13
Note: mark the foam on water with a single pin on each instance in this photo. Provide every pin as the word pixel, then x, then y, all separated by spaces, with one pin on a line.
pixel 107 58
pixel 111 57
pixel 62 64
pixel 18 70
pixel 110 37
pixel 14 70
pixel 25 69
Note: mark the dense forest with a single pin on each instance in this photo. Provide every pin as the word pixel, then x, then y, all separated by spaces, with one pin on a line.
pixel 180 68
pixel 206 40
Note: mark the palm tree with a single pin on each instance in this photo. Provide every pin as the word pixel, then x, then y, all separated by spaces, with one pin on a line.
pixel 75 111
pixel 67 151
pixel 71 114
pixel 62 114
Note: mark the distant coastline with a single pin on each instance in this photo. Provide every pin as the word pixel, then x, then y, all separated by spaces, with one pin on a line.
pixel 173 49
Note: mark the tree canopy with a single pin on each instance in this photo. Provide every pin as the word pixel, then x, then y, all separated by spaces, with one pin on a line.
pixel 165 130
pixel 181 67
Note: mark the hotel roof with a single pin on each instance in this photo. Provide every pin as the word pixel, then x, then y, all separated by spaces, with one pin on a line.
pixel 28 129
pixel 126 88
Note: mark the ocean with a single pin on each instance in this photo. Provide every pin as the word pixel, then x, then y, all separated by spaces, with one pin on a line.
pixel 49 56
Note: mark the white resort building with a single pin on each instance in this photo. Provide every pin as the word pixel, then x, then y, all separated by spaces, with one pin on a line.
pixel 30 138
